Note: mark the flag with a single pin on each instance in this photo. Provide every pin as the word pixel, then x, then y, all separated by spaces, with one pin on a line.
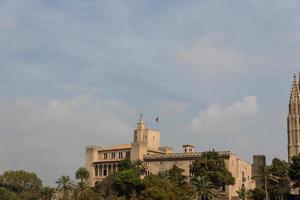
pixel 157 119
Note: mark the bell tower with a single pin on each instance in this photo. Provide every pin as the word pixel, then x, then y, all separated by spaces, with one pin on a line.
pixel 293 121
pixel 144 140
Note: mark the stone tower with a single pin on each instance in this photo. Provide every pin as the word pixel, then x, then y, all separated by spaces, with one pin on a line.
pixel 259 161
pixel 293 121
pixel 144 141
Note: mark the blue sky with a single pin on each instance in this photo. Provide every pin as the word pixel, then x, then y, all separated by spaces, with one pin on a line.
pixel 73 73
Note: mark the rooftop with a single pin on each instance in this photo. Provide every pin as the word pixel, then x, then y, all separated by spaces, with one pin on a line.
pixel 180 156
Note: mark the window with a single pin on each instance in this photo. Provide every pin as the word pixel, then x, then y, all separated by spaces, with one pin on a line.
pixel 105 155
pixel 113 155
pixel 100 170
pixel 120 154
pixel 96 170
pixel 127 154
pixel 105 170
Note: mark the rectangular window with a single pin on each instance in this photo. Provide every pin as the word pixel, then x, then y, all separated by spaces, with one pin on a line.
pixel 96 170
pixel 105 155
pixel 120 154
pixel 127 154
pixel 113 155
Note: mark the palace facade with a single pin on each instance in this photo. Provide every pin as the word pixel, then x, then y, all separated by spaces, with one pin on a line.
pixel 146 147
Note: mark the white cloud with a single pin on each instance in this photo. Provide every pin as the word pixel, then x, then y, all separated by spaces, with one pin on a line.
pixel 208 56
pixel 217 119
pixel 49 136
pixel 169 108
pixel 211 56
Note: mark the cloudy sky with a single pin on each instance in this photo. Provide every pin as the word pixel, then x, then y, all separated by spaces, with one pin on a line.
pixel 73 73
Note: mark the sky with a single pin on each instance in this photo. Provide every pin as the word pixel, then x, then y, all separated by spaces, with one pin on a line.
pixel 75 73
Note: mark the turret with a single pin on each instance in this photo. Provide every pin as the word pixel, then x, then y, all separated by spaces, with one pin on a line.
pixel 187 148
pixel 140 124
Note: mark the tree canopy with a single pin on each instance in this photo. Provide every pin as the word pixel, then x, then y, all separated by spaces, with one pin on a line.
pixel 212 166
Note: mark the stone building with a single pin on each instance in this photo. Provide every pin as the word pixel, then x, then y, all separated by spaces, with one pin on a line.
pixel 146 147
pixel 293 121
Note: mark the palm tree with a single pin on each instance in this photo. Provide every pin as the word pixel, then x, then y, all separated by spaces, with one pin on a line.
pixel 243 193
pixel 65 185
pixel 204 188
pixel 82 174
pixel 265 176
pixel 140 166
pixel 47 193
pixel 79 190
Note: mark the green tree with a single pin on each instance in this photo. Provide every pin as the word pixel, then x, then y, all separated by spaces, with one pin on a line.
pixel 25 184
pixel 65 185
pixel 204 188
pixel 140 167
pixel 47 193
pixel 82 174
pixel 162 188
pixel 89 194
pixel 20 181
pixel 6 194
pixel 127 182
pixel 106 188
pixel 79 189
pixel 294 172
pixel 212 166
pixel 265 175
pixel 257 194
pixel 279 189
pixel 175 175
pixel 243 193
pixel 126 164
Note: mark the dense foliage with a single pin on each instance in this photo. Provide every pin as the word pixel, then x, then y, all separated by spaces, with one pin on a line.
pixel 294 171
pixel 208 180
pixel 212 166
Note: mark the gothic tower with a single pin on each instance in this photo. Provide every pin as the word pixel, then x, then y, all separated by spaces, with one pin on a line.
pixel 293 121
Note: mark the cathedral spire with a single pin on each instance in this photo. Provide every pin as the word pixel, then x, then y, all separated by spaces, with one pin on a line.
pixel 293 120
pixel 295 90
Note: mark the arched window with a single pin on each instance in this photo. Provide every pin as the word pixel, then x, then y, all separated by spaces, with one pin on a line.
pixel 105 170
pixel 109 169
pixel 100 170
